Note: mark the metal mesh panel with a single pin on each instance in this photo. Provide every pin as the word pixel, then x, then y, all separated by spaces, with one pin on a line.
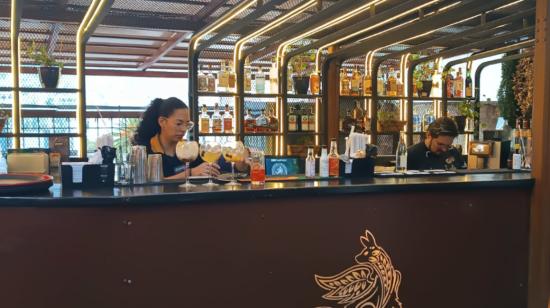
pixel 423 114
pixel 386 144
pixel 452 108
pixel 265 143
pixel 257 104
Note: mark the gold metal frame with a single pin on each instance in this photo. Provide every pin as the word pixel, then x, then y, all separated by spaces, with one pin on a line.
pixel 91 19
pixel 16 12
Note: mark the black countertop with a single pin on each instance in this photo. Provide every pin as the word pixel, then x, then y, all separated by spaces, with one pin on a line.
pixel 166 193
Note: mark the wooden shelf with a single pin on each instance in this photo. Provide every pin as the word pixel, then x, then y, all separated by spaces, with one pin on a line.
pixel 302 133
pixel 40 90
pixel 260 95
pixel 263 134
pixel 307 96
pixel 216 135
pixel 216 94
pixel 355 97
pixel 392 97
pixel 26 135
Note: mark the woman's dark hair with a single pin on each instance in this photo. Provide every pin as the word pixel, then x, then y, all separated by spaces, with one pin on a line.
pixel 443 126
pixel 149 126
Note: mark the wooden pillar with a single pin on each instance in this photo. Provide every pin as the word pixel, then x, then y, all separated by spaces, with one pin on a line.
pixel 539 265
pixel 333 99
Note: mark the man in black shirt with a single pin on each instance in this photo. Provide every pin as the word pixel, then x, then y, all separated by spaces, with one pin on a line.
pixel 436 151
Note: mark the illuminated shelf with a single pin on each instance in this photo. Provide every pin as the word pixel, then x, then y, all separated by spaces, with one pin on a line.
pixel 355 97
pixel 303 96
pixel 260 95
pixel 40 90
pixel 263 134
pixel 215 94
pixel 302 133
pixel 216 135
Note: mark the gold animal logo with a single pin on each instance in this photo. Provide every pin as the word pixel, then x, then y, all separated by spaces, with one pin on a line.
pixel 373 282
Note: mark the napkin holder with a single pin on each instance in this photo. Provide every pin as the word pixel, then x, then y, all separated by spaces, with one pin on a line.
pixel 93 175
pixel 360 168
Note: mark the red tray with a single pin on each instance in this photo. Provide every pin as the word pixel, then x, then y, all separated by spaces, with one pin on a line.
pixel 14 183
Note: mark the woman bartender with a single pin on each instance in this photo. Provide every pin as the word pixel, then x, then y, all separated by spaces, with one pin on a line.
pixel 163 124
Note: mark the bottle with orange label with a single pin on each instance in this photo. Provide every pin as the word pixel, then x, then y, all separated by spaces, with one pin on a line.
pixel 333 159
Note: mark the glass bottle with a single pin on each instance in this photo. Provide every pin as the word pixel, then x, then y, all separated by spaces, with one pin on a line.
pixel 217 123
pixel 458 84
pixel 367 84
pixel 344 83
pixel 273 78
pixel 202 82
pixel 449 80
pixel 292 120
pixel 211 80
pixel 204 122
pixel 298 112
pixel 247 77
pixel 356 82
pixel 314 83
pixel 392 83
pixel 223 78
pixel 310 163
pixel 232 78
pixel 227 120
pixel 333 159
pixel 260 82
pixel 401 154
pixel 273 121
pixel 358 115
pixel 262 122
pixel 304 120
pixel 468 82
pixel 381 89
pixel 400 87
pixel 323 163
pixel 249 122
pixel 312 120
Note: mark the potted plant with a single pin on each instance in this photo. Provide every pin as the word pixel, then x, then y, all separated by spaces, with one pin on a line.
pixel 302 66
pixel 49 69
pixel 388 119
pixel 4 115
pixel 467 110
pixel 422 77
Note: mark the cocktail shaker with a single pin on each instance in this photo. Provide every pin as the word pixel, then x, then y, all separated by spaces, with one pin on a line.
pixel 139 161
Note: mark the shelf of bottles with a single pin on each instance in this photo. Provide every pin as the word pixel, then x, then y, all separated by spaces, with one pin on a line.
pixel 357 99
pixel 458 90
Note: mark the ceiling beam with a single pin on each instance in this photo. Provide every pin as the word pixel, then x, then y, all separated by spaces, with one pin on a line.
pixel 208 9
pixel 165 48
pixel 114 18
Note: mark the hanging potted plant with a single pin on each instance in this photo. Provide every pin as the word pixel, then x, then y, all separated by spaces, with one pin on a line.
pixel 302 66
pixel 49 70
pixel 4 115
pixel 468 112
pixel 422 77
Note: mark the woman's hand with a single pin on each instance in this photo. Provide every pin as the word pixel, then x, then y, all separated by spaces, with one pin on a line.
pixel 243 165
pixel 205 169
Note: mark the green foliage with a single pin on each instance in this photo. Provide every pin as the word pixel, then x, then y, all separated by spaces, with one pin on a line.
pixel 507 103
pixel 467 108
pixel 303 64
pixel 423 72
pixel 41 56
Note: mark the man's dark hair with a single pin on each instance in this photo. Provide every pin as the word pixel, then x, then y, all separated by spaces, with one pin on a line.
pixel 443 126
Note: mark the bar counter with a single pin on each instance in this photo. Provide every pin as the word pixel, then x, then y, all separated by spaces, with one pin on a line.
pixel 452 241
pixel 167 192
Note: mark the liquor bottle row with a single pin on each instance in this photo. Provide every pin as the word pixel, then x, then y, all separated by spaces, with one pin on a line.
pixel 457 86
pixel 329 162
pixel 259 82
pixel 266 122
pixel 301 119
pixel 356 84
pixel 217 123
pixel 225 80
